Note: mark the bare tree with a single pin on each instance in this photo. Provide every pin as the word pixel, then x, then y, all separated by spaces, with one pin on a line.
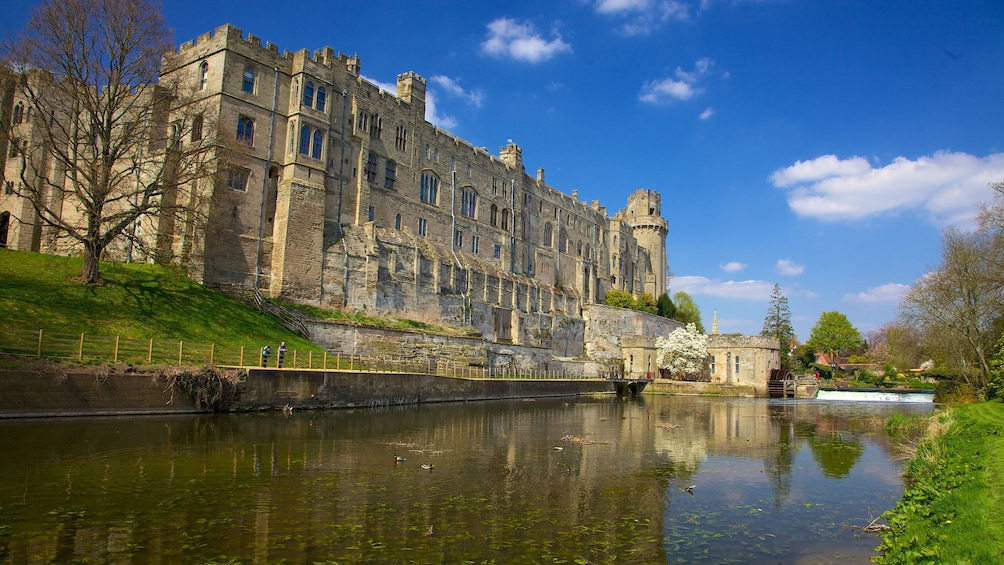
pixel 107 152
pixel 960 302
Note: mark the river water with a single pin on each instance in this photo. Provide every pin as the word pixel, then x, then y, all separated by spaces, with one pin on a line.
pixel 585 480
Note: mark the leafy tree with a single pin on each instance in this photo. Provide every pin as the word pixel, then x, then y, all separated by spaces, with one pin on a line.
pixel 619 299
pixel 108 143
pixel 687 311
pixel 645 303
pixel 777 324
pixel 684 352
pixel 833 333
pixel 666 307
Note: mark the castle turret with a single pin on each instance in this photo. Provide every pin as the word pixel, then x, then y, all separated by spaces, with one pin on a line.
pixel 644 212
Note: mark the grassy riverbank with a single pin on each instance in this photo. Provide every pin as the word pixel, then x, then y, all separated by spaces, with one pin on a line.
pixel 136 301
pixel 951 510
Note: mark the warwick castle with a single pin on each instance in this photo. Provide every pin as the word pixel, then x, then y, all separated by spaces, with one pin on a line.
pixel 342 194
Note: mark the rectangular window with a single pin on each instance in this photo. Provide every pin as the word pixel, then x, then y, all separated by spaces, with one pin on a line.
pixel 498 251
pixel 712 364
pixel 401 141
pixel 458 238
pixel 237 179
pixel 372 213
pixel 390 174
pixel 737 364
pixel 468 203
pixel 475 244
pixel 423 226
pixel 371 167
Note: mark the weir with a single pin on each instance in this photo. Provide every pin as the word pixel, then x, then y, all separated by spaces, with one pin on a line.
pixel 876 395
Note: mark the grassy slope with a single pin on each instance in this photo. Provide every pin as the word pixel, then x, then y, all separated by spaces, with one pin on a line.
pixel 137 300
pixel 951 511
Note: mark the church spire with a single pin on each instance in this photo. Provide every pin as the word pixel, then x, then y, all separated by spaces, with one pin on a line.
pixel 714 324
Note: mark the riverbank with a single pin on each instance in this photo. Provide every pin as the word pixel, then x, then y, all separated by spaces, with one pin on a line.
pixel 950 511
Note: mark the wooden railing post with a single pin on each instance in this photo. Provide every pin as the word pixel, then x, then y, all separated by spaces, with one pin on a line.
pixel 115 353
pixel 181 352
pixel 80 348
pixel 38 349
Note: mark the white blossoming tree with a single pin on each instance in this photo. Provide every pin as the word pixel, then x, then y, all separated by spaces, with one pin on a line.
pixel 684 352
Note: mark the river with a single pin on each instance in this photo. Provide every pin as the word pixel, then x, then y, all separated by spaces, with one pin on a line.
pixel 578 481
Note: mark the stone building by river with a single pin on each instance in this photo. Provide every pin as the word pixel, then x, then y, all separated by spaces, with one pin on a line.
pixel 338 192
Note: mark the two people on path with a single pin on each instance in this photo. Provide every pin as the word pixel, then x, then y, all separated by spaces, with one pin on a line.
pixel 267 351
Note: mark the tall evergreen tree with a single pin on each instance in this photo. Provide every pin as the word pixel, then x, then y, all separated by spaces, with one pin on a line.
pixel 777 324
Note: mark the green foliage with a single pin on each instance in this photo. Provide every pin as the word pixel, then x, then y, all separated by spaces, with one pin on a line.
pixel 995 382
pixel 687 311
pixel 136 301
pixel 666 307
pixel 777 324
pixel 834 333
pixel 619 299
pixel 645 303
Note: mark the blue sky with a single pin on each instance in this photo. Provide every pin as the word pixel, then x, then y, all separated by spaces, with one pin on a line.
pixel 819 145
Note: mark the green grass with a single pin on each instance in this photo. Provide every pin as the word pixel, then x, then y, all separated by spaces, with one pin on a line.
pixel 950 511
pixel 136 300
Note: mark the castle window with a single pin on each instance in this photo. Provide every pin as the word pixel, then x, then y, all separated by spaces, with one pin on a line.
pixel 527 199
pixel 468 171
pixel 401 138
pixel 305 140
pixel 18 115
pixel 494 215
pixel 371 214
pixel 495 186
pixel 737 365
pixel 15 146
pixel 522 225
pixel 588 252
pixel 315 151
pixel 435 155
pixel 579 249
pixel 197 128
pixel 427 151
pixel 390 174
pixel 237 179
pixel 423 226
pixel 468 202
pixel 458 238
pixel 615 240
pixel 245 130
pixel 562 240
pixel 498 251
pixel 322 97
pixel 249 76
pixel 203 75
pixel 371 167
pixel 397 222
pixel 308 94
pixel 292 135
pixel 475 244
pixel 547 235
pixel 429 188
pixel 505 219
pixel 615 261
pixel 376 127
pixel 712 364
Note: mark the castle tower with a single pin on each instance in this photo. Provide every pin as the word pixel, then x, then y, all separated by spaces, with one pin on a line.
pixel 644 212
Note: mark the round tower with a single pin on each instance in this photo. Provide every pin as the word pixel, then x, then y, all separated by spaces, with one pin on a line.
pixel 644 212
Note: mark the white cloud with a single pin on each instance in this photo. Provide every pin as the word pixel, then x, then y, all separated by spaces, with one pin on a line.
pixel 741 290
pixel 473 97
pixel 945 187
pixel 707 113
pixel 683 87
pixel 642 17
pixel 521 42
pixel 733 266
pixel 789 268
pixel 890 292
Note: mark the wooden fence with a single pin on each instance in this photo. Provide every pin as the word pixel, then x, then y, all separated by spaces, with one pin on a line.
pixel 90 349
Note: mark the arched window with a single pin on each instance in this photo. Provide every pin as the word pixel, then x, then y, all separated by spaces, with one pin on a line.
pixel 615 261
pixel 505 219
pixel 305 140
pixel 315 151
pixel 197 123
pixel 578 249
pixel 494 215
pixel 18 115
pixel 397 222
pixel 322 97
pixel 588 250
pixel 468 202
pixel 429 188
pixel 308 94
pixel 248 85
pixel 203 75
pixel 245 130
pixel 547 235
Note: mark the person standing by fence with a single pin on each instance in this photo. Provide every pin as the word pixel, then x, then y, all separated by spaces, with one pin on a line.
pixel 282 353
pixel 265 352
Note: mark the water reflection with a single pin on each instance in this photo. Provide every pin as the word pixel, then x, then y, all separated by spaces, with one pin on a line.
pixel 593 480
